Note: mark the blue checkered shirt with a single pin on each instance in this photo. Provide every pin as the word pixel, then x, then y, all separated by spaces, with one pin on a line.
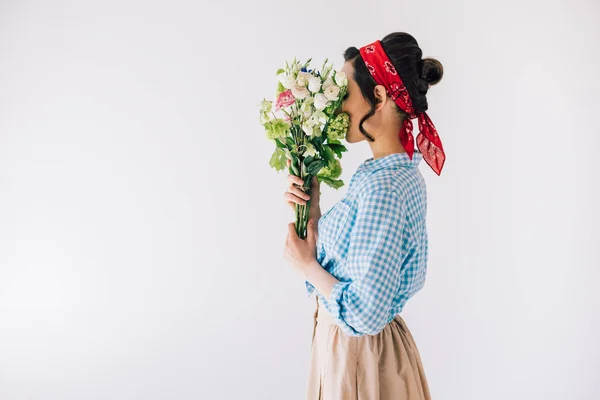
pixel 374 241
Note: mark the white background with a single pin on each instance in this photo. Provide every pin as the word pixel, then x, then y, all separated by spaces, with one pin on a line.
pixel 142 230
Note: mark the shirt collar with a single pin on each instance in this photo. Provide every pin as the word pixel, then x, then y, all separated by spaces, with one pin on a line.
pixel 393 161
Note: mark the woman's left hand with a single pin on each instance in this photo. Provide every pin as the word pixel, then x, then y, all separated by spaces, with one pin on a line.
pixel 301 253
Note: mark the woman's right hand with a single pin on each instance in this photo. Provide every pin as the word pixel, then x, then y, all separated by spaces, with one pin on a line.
pixel 294 195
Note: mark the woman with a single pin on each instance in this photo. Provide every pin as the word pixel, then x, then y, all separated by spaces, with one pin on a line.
pixel 369 253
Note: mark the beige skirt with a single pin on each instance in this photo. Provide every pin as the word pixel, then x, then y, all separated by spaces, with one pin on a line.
pixel 370 367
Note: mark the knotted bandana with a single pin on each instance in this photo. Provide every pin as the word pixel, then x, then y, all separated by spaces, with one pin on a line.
pixel 384 73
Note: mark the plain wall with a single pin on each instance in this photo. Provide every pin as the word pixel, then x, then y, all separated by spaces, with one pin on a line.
pixel 142 229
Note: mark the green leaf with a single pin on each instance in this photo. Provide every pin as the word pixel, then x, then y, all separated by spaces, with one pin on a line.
pixel 327 154
pixel 316 166
pixel 318 146
pixel 338 148
pixel 290 142
pixel 294 169
pixel 279 144
pixel 308 160
pixel 280 88
pixel 280 71
pixel 333 183
pixel 278 160
pixel 294 158
pixel 318 141
pixel 336 183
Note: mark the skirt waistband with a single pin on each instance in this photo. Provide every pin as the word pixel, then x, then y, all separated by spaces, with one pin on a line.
pixel 322 316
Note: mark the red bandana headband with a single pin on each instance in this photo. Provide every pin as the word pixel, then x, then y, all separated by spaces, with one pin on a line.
pixel 385 74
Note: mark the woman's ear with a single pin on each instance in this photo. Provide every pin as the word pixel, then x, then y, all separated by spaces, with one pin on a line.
pixel 380 97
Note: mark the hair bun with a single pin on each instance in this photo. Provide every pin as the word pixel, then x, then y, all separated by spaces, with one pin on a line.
pixel 431 70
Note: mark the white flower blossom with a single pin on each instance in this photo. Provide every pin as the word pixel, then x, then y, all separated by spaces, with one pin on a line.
pixel 332 92
pixel 303 78
pixel 320 117
pixel 328 82
pixel 300 92
pixel 310 150
pixel 321 101
pixel 286 80
pixel 341 79
pixel 314 84
pixel 308 126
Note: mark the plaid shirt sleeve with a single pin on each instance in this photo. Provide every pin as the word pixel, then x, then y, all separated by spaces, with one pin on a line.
pixel 374 264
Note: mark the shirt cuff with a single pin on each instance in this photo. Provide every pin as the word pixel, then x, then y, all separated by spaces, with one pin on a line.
pixel 335 308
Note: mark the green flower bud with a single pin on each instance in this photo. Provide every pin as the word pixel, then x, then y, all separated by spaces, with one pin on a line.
pixel 333 171
pixel 338 127
pixel 277 128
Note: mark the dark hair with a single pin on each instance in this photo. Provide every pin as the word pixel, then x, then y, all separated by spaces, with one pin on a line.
pixel 416 73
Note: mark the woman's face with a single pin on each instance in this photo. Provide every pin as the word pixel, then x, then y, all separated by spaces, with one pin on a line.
pixel 356 106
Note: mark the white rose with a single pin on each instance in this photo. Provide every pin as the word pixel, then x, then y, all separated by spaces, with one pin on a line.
pixel 314 84
pixel 300 92
pixel 303 78
pixel 321 101
pixel 328 82
pixel 331 92
pixel 341 79
pixel 286 80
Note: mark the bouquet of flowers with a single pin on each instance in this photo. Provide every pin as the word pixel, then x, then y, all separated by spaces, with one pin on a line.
pixel 306 127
